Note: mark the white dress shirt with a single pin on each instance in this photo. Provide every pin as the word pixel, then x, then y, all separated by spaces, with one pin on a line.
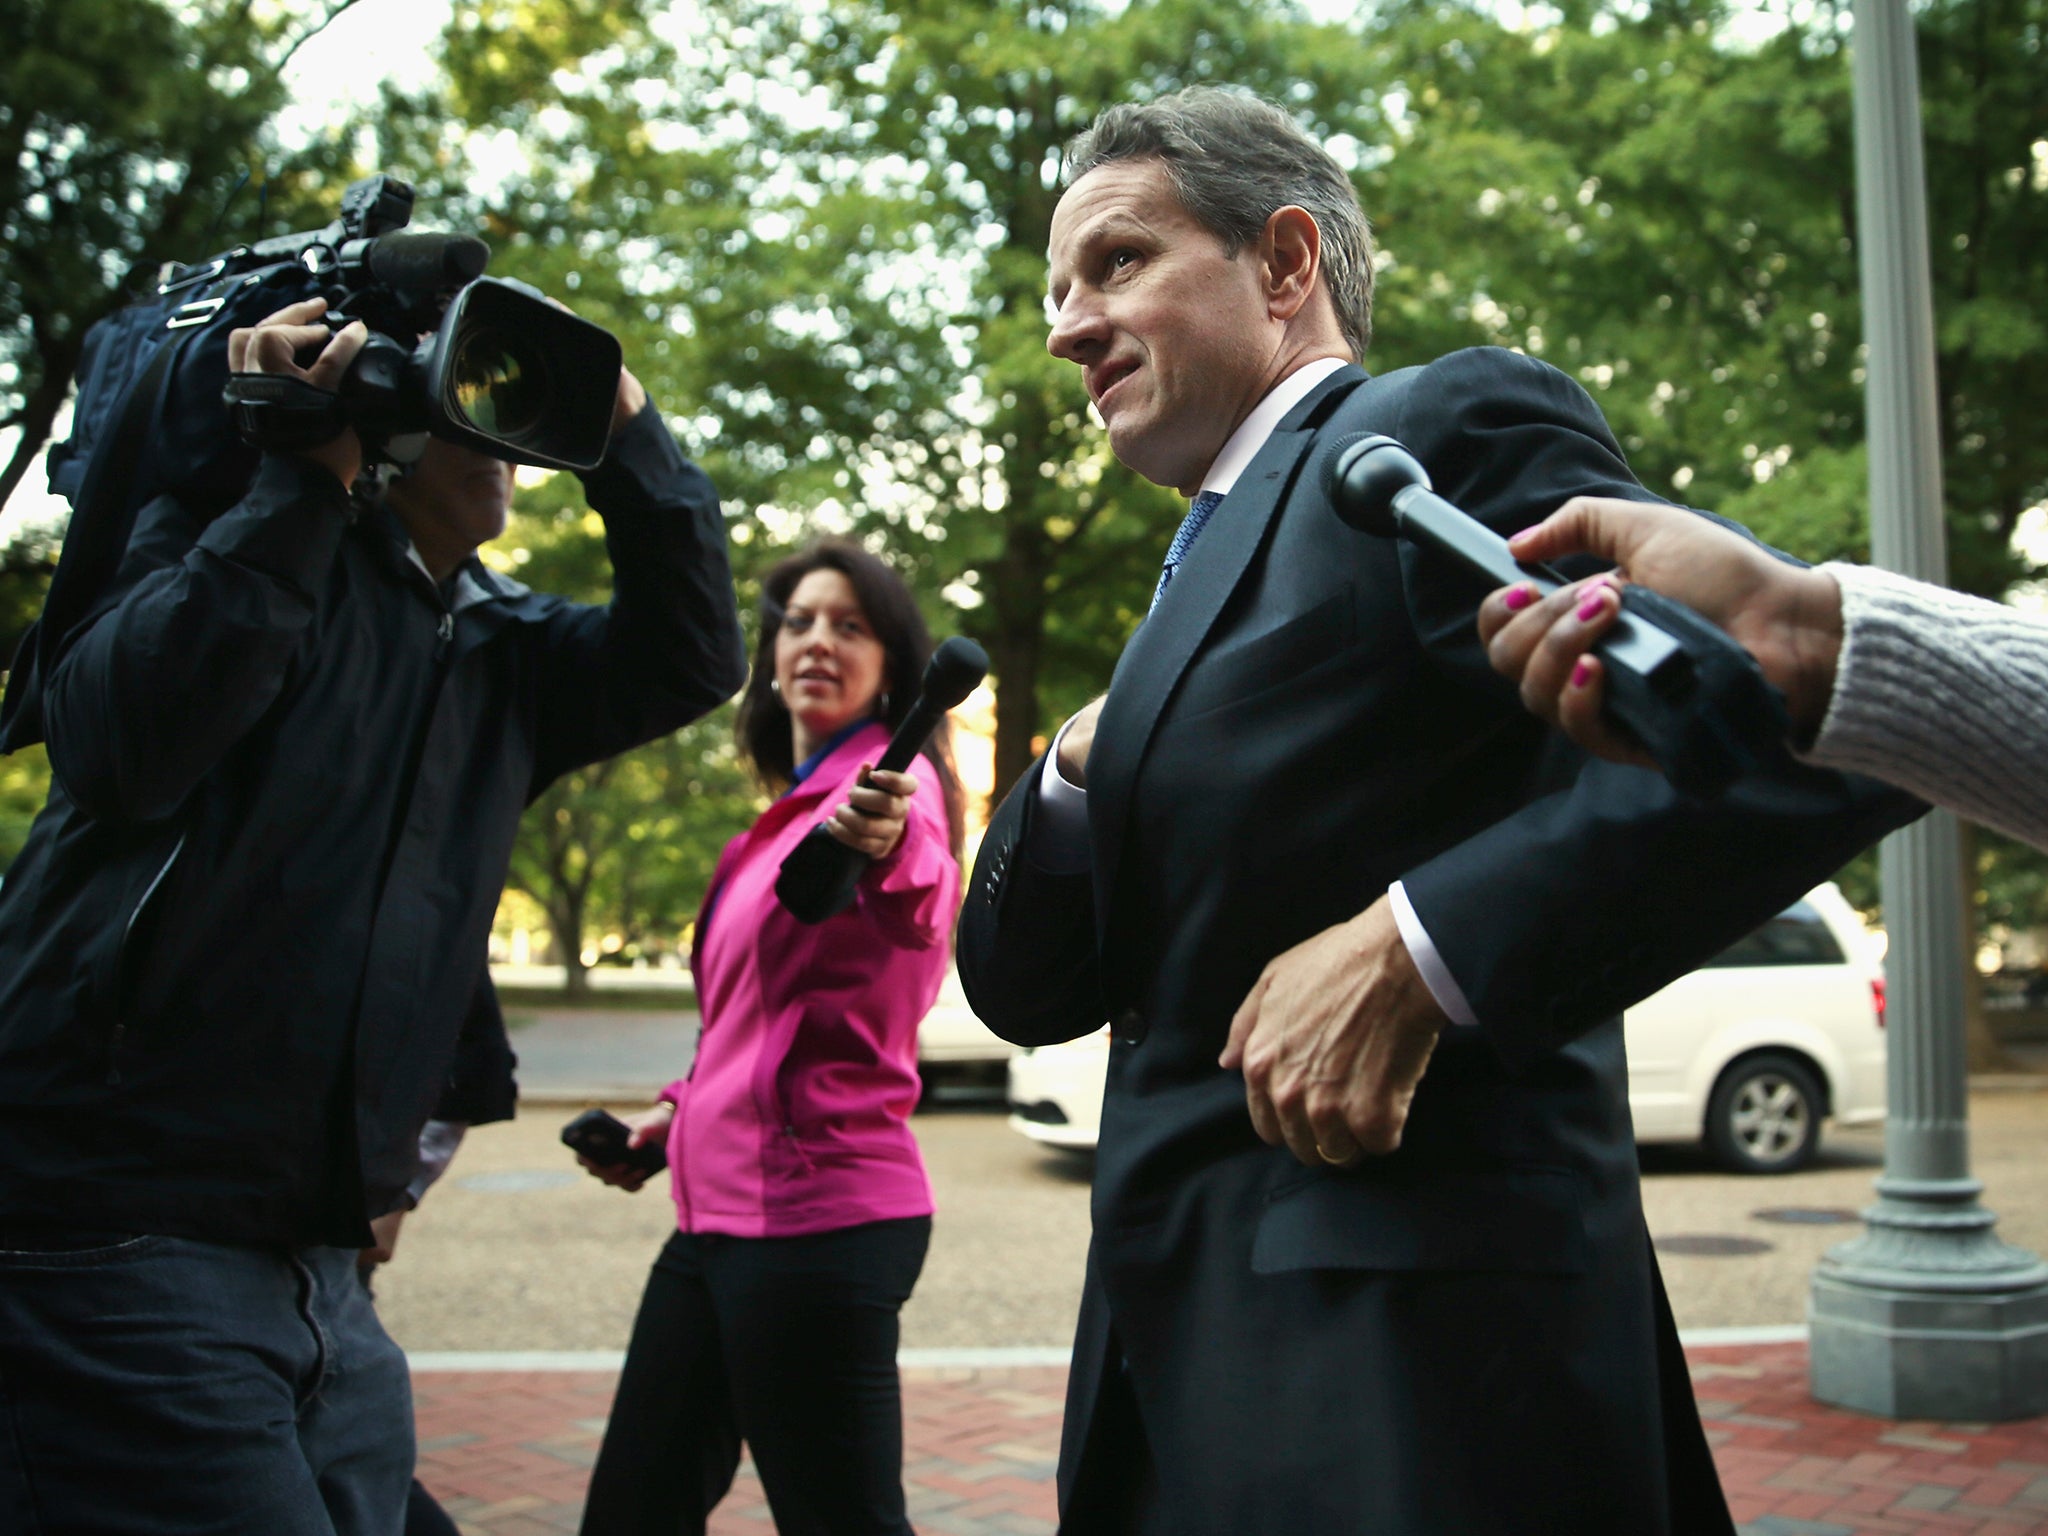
pixel 1059 834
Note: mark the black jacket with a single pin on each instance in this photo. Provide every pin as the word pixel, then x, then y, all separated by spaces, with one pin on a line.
pixel 239 943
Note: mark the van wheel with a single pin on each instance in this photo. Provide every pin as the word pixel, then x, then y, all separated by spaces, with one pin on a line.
pixel 1764 1116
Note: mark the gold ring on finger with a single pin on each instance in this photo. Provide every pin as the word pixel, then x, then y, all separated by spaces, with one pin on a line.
pixel 1334 1161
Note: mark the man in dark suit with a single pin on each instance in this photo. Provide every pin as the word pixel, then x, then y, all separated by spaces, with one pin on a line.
pixel 1369 1251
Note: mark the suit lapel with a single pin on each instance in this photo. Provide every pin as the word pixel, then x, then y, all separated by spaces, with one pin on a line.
pixel 1159 653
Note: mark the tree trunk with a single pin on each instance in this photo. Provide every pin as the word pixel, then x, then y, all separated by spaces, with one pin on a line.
pixel 38 413
pixel 1015 646
pixel 1982 1050
pixel 565 919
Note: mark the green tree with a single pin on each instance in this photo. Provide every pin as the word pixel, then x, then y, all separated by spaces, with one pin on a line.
pixel 127 127
pixel 24 781
pixel 624 846
pixel 825 231
pixel 1667 211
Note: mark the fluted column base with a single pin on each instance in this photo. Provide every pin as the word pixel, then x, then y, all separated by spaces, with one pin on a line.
pixel 1928 1315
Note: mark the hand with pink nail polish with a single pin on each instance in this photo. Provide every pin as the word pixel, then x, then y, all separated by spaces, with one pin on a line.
pixel 1787 616
pixel 1545 645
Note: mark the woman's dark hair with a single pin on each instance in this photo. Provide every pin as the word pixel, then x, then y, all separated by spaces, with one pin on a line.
pixel 763 724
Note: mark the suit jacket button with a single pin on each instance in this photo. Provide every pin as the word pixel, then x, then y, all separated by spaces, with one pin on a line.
pixel 1130 1026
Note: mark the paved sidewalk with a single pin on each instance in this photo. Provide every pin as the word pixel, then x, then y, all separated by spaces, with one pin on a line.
pixel 509 1452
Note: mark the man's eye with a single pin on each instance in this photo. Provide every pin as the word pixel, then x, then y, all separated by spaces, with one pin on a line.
pixel 1118 260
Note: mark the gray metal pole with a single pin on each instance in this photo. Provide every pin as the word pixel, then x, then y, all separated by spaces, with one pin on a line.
pixel 1927 1315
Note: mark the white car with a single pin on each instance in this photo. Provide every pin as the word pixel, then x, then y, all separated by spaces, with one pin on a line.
pixel 951 1036
pixel 1750 1053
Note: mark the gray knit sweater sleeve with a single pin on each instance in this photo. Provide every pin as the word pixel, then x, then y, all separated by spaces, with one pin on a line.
pixel 1943 695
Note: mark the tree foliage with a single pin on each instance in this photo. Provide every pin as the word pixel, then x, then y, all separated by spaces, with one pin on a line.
pixel 621 849
pixel 820 231
pixel 127 130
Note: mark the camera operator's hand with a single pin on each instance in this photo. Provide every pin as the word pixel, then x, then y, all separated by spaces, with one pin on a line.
pixel 632 396
pixel 629 402
pixel 273 345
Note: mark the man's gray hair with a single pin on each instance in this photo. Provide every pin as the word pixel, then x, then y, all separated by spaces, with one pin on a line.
pixel 1234 160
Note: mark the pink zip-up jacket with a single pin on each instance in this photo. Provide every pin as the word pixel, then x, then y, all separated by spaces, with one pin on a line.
pixel 795 1117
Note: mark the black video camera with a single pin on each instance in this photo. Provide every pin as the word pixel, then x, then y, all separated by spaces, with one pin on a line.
pixel 453 354
pixel 499 369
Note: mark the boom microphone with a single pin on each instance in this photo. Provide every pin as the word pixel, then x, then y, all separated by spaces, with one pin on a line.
pixel 421 262
pixel 1695 699
pixel 818 878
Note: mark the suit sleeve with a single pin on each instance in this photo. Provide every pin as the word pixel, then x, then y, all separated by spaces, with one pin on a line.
pixel 1026 942
pixel 1607 883
pixel 667 648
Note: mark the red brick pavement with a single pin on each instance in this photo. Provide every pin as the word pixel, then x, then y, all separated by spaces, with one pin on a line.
pixel 508 1453
pixel 1794 1468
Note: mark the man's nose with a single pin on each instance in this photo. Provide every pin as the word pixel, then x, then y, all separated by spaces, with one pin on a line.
pixel 1077 327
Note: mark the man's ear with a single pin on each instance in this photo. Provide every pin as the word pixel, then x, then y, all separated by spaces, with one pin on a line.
pixel 1291 248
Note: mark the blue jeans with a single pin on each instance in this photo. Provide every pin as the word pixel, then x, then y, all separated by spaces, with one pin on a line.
pixel 151 1385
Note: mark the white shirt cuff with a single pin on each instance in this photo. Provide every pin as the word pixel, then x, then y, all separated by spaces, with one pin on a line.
pixel 1059 832
pixel 1443 986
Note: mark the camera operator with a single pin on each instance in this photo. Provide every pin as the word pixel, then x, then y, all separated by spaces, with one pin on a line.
pixel 290 748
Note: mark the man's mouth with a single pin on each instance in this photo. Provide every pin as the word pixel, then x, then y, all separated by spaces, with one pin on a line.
pixel 1102 380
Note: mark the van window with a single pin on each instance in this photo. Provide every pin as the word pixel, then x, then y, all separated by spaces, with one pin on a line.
pixel 1796 936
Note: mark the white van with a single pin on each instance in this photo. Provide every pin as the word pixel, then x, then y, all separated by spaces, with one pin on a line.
pixel 1749 1054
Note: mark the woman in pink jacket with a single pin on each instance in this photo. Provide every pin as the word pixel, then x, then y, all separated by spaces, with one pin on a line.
pixel 803 1210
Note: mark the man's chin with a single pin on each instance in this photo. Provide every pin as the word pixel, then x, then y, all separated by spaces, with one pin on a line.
pixel 1140 453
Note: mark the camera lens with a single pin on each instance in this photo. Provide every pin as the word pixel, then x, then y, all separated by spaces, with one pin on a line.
pixel 499 385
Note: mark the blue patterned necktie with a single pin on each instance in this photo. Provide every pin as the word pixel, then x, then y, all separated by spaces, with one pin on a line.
pixel 1190 529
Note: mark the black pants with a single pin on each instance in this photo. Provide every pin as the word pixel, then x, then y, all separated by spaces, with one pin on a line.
pixel 787 1343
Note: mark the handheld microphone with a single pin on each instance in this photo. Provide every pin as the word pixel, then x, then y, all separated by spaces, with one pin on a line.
pixel 1697 701
pixel 819 875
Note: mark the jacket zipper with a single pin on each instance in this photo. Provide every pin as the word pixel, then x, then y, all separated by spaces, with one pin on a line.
pixel 120 1031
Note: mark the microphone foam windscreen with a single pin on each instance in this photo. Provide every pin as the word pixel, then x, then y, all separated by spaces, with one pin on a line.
pixel 427 261
pixel 955 669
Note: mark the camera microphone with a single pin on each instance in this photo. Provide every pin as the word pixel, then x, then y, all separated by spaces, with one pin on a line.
pixel 420 262
pixel 818 878
pixel 1696 700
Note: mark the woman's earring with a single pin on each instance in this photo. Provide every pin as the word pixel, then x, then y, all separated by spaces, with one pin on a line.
pixel 884 701
pixel 775 686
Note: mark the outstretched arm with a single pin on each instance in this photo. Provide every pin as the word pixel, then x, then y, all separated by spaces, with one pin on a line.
pixel 667 648
pixel 1943 694
pixel 194 640
pixel 1787 616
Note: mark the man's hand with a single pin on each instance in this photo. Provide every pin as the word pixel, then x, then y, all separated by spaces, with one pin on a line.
pixel 648 1125
pixel 875 813
pixel 1074 744
pixel 1333 1038
pixel 273 344
pixel 383 1239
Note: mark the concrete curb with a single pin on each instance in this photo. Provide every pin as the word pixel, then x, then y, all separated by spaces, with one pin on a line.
pixel 2009 1082
pixel 998 1358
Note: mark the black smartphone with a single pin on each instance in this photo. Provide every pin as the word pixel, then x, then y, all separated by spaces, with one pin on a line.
pixel 601 1136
